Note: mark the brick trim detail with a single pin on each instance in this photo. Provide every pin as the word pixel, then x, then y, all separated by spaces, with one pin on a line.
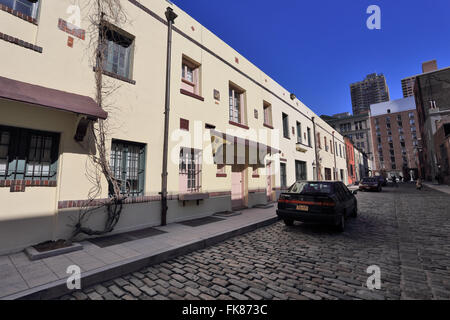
pixel 190 94
pixel 65 204
pixel 221 175
pixel 18 14
pixel 240 125
pixel 20 43
pixel 116 76
pixel 75 31
pixel 20 185
pixel 267 125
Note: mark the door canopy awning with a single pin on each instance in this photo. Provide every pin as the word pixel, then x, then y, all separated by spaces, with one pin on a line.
pixel 50 98
pixel 229 149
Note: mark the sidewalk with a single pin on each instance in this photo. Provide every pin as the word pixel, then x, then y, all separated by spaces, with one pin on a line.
pixel 21 278
pixel 439 187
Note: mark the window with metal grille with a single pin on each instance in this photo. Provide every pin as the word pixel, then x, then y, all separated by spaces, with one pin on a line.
pixel 127 163
pixel 28 154
pixel 190 170
pixel 29 8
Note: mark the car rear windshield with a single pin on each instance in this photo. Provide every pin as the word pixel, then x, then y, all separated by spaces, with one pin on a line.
pixel 369 180
pixel 311 188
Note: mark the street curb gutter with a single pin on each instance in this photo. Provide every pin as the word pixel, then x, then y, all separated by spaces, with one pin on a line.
pixel 59 288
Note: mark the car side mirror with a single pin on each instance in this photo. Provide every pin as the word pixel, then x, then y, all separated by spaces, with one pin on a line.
pixel 355 191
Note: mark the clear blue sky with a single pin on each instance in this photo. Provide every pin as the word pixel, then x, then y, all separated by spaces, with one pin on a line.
pixel 317 48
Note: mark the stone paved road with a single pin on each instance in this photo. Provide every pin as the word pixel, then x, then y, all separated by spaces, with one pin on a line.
pixel 404 231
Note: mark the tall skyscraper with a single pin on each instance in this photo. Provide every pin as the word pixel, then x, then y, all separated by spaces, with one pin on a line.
pixel 373 89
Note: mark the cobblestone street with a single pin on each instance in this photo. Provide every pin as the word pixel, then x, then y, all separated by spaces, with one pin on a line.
pixel 404 231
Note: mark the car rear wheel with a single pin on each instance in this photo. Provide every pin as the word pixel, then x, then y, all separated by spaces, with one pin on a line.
pixel 341 225
pixel 288 222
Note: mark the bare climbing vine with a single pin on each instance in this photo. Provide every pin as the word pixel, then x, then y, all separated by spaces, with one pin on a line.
pixel 102 13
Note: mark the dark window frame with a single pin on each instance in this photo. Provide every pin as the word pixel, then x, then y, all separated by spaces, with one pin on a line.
pixel 19 157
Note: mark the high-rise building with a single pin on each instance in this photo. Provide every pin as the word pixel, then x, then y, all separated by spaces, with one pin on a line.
pixel 408 86
pixel 408 83
pixel 373 89
pixel 395 135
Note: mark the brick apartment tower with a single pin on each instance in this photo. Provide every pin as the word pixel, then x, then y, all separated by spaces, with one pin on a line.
pixel 395 137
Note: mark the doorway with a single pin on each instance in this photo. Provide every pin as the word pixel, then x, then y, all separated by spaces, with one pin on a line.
pixel 237 187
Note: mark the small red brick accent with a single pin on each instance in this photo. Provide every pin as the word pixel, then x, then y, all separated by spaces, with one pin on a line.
pixel 192 27
pixel 221 175
pixel 184 124
pixel 18 14
pixel 20 43
pixel 236 59
pixel 267 126
pixel 70 42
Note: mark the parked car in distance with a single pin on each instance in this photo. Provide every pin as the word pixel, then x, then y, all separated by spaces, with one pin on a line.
pixel 382 180
pixel 328 202
pixel 370 184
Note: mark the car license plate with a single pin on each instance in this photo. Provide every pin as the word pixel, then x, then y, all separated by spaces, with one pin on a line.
pixel 302 208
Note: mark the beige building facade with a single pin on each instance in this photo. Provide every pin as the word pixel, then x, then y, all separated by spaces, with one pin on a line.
pixel 236 137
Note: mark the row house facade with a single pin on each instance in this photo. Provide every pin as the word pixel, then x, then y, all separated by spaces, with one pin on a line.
pixel 236 137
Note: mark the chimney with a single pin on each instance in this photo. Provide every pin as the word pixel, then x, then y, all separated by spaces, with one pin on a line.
pixel 429 66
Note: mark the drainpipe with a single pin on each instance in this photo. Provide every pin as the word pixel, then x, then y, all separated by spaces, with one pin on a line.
pixel 315 149
pixel 170 15
pixel 334 153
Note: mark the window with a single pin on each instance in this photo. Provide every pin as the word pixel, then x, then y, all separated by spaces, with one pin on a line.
pixel 190 170
pixel 285 120
pixel 28 154
pixel 236 96
pixel 127 163
pixel 327 174
pixel 331 146
pixel 300 170
pixel 283 180
pixel 29 8
pixel 411 115
pixel 190 76
pixel 412 122
pixel 308 130
pixel 340 151
pixel 299 132
pixel 325 143
pixel 318 140
pixel 267 113
pixel 117 52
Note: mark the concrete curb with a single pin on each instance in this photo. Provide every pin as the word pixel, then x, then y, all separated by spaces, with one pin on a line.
pixel 59 288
